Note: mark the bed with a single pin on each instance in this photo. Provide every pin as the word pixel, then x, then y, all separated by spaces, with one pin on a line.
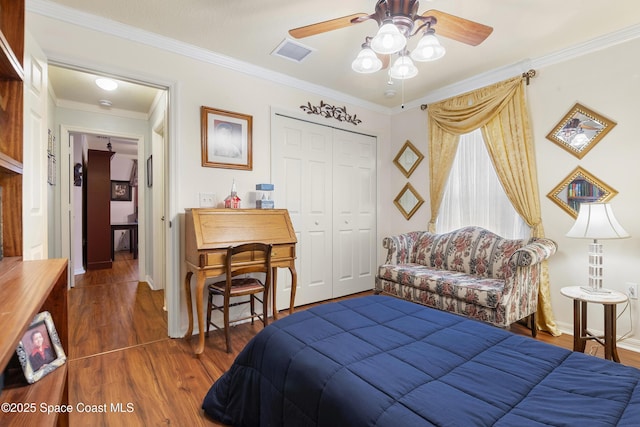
pixel 382 361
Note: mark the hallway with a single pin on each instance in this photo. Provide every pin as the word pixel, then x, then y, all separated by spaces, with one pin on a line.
pixel 110 310
pixel 123 368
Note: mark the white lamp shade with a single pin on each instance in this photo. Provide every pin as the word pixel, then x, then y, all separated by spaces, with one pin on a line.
pixel 596 221
pixel 403 69
pixel 388 40
pixel 428 49
pixel 366 62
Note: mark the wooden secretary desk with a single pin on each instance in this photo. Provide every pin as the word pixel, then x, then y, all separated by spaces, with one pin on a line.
pixel 208 234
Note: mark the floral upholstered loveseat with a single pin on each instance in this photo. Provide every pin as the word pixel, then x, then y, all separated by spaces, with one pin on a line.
pixel 470 271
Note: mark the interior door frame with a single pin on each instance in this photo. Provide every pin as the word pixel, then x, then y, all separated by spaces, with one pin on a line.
pixel 172 236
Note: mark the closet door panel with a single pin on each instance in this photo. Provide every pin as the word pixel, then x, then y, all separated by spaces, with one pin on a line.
pixel 354 212
pixel 301 173
pixel 326 178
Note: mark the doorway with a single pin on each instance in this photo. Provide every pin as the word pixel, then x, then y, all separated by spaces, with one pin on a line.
pixel 119 154
pixel 133 121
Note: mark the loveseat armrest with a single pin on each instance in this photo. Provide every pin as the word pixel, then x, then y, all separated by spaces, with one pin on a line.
pixel 400 248
pixel 534 252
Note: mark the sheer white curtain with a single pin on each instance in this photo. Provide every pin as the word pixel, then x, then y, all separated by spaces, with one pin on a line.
pixel 474 195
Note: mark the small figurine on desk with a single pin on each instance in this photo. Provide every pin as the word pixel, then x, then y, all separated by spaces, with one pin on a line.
pixel 266 201
pixel 232 201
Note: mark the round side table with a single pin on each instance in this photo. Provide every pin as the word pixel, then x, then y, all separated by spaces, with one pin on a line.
pixel 580 333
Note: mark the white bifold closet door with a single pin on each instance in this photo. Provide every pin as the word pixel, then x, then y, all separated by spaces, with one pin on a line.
pixel 326 178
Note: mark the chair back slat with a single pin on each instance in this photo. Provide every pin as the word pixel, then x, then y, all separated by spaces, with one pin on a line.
pixel 243 259
pixel 248 258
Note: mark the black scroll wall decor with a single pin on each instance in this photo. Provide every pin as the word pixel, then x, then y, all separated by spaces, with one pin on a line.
pixel 331 112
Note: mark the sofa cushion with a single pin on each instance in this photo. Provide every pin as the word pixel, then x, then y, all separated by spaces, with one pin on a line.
pixel 470 250
pixel 483 291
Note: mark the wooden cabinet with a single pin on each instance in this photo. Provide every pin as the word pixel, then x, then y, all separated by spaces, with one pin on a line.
pixel 97 206
pixel 11 145
pixel 28 288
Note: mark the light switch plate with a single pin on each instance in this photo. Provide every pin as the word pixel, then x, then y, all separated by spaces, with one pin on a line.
pixel 207 200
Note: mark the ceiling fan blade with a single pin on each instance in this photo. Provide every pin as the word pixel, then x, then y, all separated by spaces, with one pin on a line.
pixel 460 29
pixel 325 26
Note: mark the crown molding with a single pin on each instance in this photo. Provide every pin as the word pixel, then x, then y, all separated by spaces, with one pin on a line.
pixel 96 23
pixel 103 25
pixel 502 73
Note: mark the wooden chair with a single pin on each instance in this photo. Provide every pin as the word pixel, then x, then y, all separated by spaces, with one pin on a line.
pixel 242 259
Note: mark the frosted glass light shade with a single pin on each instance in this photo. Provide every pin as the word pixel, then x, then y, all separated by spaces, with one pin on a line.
pixel 106 84
pixel 428 49
pixel 366 62
pixel 388 40
pixel 403 69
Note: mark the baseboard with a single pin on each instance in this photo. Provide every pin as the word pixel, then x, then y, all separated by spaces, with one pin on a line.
pixel 630 344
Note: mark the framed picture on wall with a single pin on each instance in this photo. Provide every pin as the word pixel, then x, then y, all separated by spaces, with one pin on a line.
pixel 39 350
pixel 120 191
pixel 226 139
pixel 580 130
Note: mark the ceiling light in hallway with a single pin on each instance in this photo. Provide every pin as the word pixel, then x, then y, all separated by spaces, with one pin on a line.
pixel 107 84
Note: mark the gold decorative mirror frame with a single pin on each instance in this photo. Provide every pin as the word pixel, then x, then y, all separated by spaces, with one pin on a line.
pixel 408 158
pixel 580 187
pixel 408 201
pixel 580 130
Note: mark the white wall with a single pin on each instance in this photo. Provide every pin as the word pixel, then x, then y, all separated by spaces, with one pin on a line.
pixel 608 82
pixel 605 81
pixel 195 83
pixel 409 125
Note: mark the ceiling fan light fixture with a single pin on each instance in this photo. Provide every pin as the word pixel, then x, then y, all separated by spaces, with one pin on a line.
pixel 366 62
pixel 389 39
pixel 428 48
pixel 403 68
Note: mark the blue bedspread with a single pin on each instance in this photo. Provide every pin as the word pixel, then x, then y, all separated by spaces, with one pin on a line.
pixel 382 361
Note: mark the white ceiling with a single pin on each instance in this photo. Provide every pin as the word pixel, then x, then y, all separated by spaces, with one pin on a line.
pixel 250 30
pixel 78 89
pixel 77 86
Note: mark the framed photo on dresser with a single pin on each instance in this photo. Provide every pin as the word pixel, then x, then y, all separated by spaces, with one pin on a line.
pixel 40 351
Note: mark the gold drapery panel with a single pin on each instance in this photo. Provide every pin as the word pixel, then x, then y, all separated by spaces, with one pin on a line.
pixel 500 111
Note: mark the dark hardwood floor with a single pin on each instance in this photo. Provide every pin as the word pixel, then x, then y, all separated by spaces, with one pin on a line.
pixel 124 370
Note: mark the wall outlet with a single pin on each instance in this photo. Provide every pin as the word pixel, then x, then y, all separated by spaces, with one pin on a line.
pixel 207 200
pixel 632 290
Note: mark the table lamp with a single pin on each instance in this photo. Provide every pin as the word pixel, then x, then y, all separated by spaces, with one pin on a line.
pixel 596 221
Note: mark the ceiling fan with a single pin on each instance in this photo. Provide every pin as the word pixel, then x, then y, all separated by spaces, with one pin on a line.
pixel 399 20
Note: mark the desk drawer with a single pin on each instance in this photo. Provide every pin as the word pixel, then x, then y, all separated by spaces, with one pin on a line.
pixel 283 252
pixel 278 253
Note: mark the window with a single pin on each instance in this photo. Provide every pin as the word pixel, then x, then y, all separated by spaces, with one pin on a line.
pixel 474 195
